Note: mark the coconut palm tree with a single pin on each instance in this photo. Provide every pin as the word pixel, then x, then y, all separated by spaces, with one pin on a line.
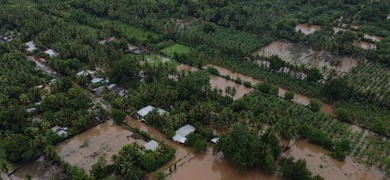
pixel 5 167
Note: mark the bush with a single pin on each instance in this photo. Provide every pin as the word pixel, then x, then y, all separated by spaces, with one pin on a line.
pixel 206 133
pixel 315 105
pixel 264 87
pixel 213 70
pixel 238 80
pixel 247 84
pixel 289 96
pixel 199 146
pixel 274 90
pixel 118 115
pixel 343 115
pixel 192 138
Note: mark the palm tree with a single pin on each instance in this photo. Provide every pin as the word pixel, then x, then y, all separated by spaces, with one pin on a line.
pixel 5 167
pixel 50 152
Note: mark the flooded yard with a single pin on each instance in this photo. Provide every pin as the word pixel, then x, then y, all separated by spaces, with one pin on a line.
pixel 106 139
pixel 298 54
pixel 319 162
pixel 364 45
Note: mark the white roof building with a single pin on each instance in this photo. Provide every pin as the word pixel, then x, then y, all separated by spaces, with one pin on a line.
pixel 51 52
pixel 96 80
pixel 182 133
pixel 151 145
pixel 111 86
pixel 215 140
pixel 31 46
pixel 144 111
pixel 59 130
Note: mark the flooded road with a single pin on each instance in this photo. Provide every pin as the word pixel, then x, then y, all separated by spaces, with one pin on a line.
pixel 307 29
pixel 319 162
pixel 105 139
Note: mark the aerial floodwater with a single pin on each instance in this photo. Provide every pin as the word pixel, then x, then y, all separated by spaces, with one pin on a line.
pixel 104 140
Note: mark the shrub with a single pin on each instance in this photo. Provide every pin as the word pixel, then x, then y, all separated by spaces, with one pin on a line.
pixel 247 84
pixel 343 115
pixel 263 87
pixel 315 105
pixel 213 70
pixel 199 146
pixel 289 96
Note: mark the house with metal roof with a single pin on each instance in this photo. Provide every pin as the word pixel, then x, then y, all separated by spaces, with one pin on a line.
pixel 141 114
pixel 182 132
pixel 31 46
pixel 151 145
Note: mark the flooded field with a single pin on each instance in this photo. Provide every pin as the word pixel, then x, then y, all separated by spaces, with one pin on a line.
pixel 307 29
pixel 302 54
pixel 373 37
pixel 207 166
pixel 319 162
pixel 39 169
pixel 364 45
pixel 106 139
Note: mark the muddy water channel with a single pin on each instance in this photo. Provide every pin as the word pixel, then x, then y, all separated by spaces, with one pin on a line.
pixel 105 140
pixel 319 162
pixel 303 54
pixel 222 83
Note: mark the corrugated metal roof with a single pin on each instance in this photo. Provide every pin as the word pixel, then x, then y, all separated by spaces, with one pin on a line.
pixel 151 145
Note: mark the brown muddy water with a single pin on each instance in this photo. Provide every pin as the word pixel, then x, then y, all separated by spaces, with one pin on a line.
pixel 319 162
pixel 302 54
pixel 221 83
pixel 39 169
pixel 364 45
pixel 307 29
pixel 373 37
pixel 105 140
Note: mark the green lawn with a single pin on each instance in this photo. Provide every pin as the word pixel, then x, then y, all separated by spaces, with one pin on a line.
pixel 178 48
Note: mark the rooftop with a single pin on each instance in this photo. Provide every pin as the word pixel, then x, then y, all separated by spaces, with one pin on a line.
pixel 151 145
pixel 144 111
pixel 31 46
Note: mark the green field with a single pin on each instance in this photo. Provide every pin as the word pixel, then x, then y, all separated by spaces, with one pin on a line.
pixel 155 60
pixel 178 48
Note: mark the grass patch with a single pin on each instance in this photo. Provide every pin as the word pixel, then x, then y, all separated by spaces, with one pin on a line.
pixel 178 48
pixel 155 60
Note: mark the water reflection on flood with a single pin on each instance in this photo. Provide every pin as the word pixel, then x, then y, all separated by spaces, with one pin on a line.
pixel 106 139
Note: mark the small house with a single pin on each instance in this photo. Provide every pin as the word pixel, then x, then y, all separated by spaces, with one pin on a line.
pixel 146 110
pixel 215 140
pixel 151 145
pixel 181 133
pixel 96 80
pixel 31 111
pixel 99 90
pixel 143 112
pixel 51 52
pixel 60 130
pixel 31 46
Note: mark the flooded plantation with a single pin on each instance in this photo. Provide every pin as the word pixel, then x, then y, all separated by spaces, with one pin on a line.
pixel 373 37
pixel 218 82
pixel 307 29
pixel 40 169
pixel 105 140
pixel 208 166
pixel 298 54
pixel 319 162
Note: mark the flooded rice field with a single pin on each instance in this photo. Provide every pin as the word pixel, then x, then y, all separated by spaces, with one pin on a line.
pixel 319 162
pixel 105 140
pixel 298 54
pixel 307 29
